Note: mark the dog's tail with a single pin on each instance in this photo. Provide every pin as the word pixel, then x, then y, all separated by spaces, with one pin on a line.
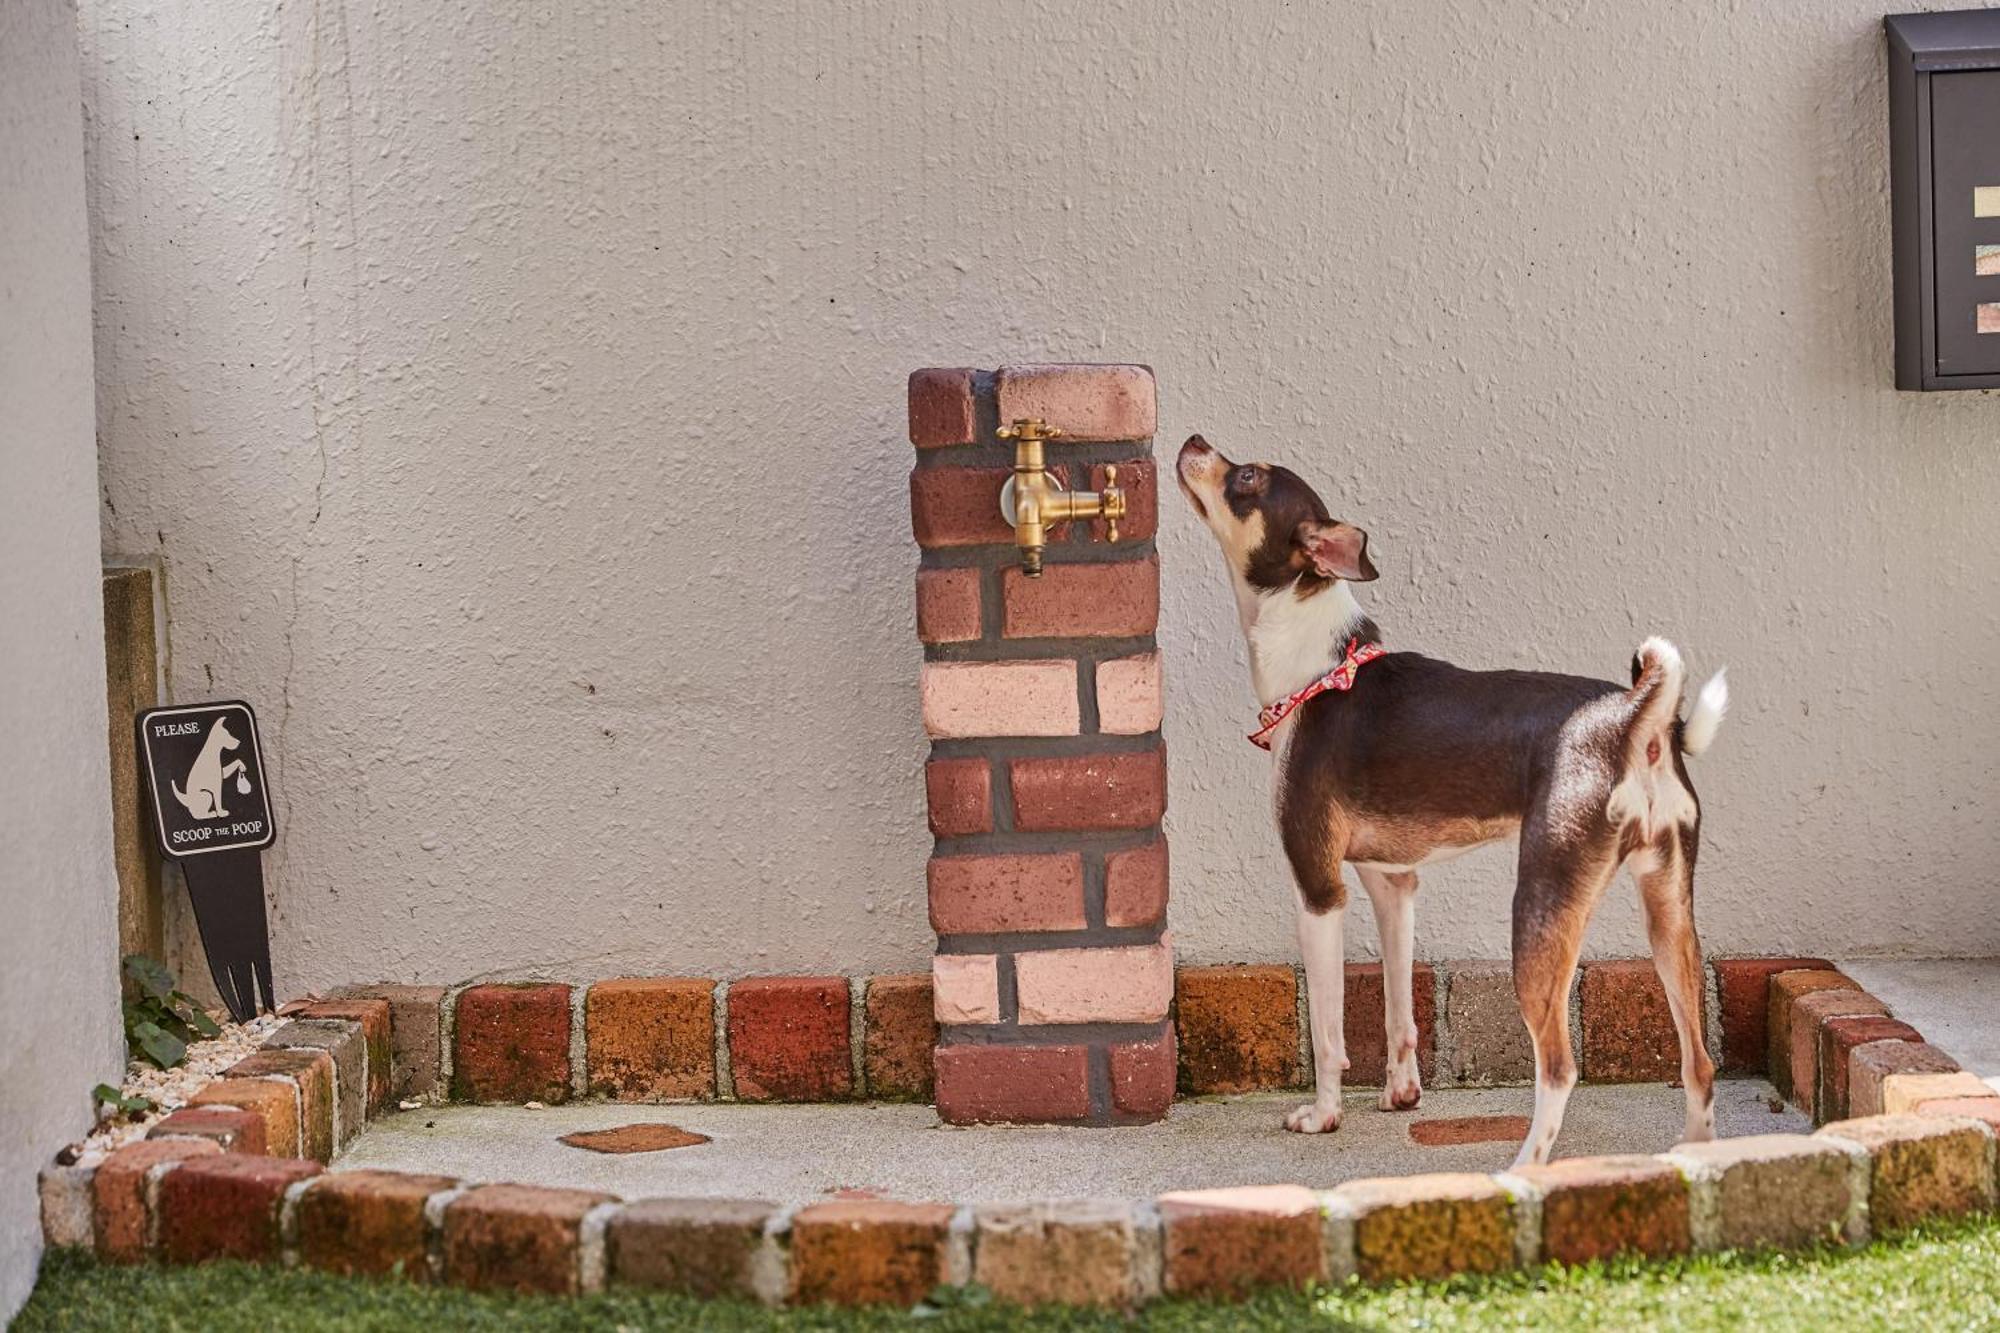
pixel 1659 679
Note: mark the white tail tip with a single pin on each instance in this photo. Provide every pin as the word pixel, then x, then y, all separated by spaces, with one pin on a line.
pixel 1710 706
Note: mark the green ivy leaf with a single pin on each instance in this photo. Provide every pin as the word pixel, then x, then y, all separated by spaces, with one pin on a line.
pixel 203 1024
pixel 150 975
pixel 104 1092
pixel 162 1048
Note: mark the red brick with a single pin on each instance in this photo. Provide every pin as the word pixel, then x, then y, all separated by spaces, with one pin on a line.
pixel 118 1194
pixel 650 1039
pixel 1597 1207
pixel 416 1030
pixel 1808 1012
pixel 368 1222
pixel 1085 402
pixel 1628 1030
pixel 1005 891
pixel 788 1039
pixel 1135 885
pixel 1098 791
pixel 1239 1028
pixel 899 1038
pixel 1365 1023
pixel 1457 1131
pixel 868 1252
pixel 1139 479
pixel 1142 1078
pixel 276 1104
pixel 1837 1039
pixel 512 1044
pixel 1012 1084
pixel 1093 599
pixel 941 407
pixel 311 1072
pixel 226 1207
pixel 516 1238
pixel 1781 990
pixel 1870 1064
pixel 948 605
pixel 1741 984
pixel 1975 1108
pixel 699 1247
pixel 229 1130
pixel 1227 1241
pixel 959 794
pixel 960 506
pixel 374 1016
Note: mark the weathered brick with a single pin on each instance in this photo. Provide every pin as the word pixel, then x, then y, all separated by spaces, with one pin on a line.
pixel 959 795
pixel 226 1206
pixel 229 1130
pixel 1135 885
pixel 1142 1078
pixel 416 1035
pixel 1364 1022
pixel 960 506
pixel 698 1247
pixel 1131 695
pixel 311 1072
pixel 119 1205
pixel 516 1238
pixel 788 1039
pixel 868 1252
pixel 1742 985
pixel 1085 402
pixel 1012 1084
pixel 1005 891
pixel 1490 1043
pixel 1228 1241
pixel 650 1039
pixel 511 1044
pixel 1984 1109
pixel 346 1044
pixel 1782 990
pixel 1428 1226
pixel 1596 1207
pixel 941 407
pixel 1084 1253
pixel 1871 1063
pixel 276 1104
pixel 1784 1190
pixel 1139 479
pixel 1239 1028
pixel 1456 1131
pixel 1837 1039
pixel 1129 984
pixel 1082 792
pixel 1924 1166
pixel 375 1020
pixel 898 1037
pixel 63 1192
pixel 1808 1013
pixel 368 1222
pixel 1628 1031
pixel 1032 697
pixel 1082 599
pixel 1903 1093
pixel 965 987
pixel 948 605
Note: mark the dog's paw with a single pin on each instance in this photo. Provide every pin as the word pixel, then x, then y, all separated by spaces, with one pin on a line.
pixel 1312 1118
pixel 1401 1099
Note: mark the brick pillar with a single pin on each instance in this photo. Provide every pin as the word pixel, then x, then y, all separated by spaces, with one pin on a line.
pixel 1047 776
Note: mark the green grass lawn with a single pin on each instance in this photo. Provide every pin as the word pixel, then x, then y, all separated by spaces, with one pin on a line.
pixel 1938 1278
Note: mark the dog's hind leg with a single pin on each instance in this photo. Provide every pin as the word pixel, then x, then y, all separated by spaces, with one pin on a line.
pixel 1666 885
pixel 1394 896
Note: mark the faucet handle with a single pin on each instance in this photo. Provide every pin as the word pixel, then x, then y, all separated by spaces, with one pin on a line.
pixel 1113 502
pixel 1028 428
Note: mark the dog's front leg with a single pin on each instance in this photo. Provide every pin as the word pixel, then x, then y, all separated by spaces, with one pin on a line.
pixel 1320 942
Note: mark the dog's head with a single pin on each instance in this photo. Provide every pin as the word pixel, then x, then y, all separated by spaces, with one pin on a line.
pixel 222 730
pixel 1274 531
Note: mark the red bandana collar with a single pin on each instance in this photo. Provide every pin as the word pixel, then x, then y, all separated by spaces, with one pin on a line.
pixel 1340 678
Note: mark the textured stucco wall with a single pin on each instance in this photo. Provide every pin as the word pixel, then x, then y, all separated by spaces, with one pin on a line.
pixel 514 396
pixel 59 950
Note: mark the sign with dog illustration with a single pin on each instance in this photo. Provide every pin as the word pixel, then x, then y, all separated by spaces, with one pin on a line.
pixel 207 778
pixel 212 811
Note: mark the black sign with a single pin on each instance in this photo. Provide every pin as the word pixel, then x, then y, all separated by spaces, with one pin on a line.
pixel 207 778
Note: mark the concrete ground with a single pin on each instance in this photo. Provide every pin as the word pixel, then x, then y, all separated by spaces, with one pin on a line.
pixel 797 1154
pixel 1954 1003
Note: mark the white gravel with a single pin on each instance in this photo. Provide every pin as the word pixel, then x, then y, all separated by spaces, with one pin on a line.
pixel 170 1089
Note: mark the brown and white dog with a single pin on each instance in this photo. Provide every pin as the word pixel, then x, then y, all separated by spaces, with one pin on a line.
pixel 1416 761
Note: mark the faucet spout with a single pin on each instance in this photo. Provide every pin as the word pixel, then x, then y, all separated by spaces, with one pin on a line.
pixel 1033 503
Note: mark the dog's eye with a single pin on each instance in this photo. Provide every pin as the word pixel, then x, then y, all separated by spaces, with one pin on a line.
pixel 1246 477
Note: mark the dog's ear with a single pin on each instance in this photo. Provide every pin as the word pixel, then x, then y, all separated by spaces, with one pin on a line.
pixel 1336 550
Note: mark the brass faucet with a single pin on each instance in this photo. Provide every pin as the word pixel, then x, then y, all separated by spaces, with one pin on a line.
pixel 1033 504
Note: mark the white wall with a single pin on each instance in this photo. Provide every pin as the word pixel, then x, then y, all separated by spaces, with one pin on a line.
pixel 59 950
pixel 514 395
